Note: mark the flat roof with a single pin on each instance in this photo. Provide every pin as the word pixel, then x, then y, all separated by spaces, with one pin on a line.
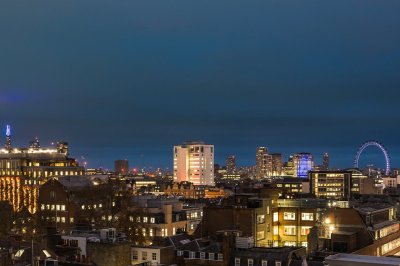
pixel 369 260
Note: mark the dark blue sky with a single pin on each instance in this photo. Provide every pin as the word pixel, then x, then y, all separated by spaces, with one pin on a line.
pixel 117 79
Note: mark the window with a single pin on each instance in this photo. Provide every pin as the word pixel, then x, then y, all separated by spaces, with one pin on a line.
pixel 152 220
pixel 289 216
pixel 268 210
pixel 276 231
pixel 289 230
pixel 202 255
pixel 162 232
pixel 211 256
pixel 151 232
pixel 144 255
pixel 278 263
pixel 220 256
pixel 145 219
pixel 276 219
pixel 135 255
pixel 260 219
pixel 307 216
pixel 237 261
pixel 290 244
pixel 154 256
pixel 305 230
pixel 304 244
pixel 71 220
pixel 180 253
pixel 191 255
pixel 260 235
pixel 264 263
pixel 250 262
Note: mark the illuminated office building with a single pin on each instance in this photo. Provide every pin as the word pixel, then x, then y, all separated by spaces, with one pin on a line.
pixel 326 162
pixel 194 162
pixel 302 163
pixel 23 170
pixel 263 163
pixel 330 184
pixel 230 165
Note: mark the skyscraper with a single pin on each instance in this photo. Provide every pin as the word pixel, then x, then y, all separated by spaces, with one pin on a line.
pixel 121 167
pixel 263 162
pixel 34 144
pixel 302 163
pixel 230 165
pixel 326 162
pixel 194 162
pixel 276 164
pixel 8 138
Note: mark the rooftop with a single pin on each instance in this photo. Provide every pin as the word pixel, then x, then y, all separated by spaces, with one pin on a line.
pixel 363 259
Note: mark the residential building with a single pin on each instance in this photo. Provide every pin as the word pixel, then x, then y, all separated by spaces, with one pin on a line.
pixel 276 164
pixel 230 165
pixel 194 162
pixel 325 162
pixel 154 255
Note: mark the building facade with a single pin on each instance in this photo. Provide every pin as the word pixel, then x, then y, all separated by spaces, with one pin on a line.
pixel 230 165
pixel 302 163
pixel 263 162
pixel 194 162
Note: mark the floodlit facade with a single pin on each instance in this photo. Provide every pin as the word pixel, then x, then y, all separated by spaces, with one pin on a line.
pixel 302 163
pixel 194 162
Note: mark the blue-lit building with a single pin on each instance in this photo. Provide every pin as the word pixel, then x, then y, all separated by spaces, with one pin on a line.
pixel 302 163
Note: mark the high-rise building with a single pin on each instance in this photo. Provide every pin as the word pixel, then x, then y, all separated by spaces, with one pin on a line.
pixel 302 163
pixel 230 165
pixel 326 162
pixel 62 147
pixel 263 162
pixel 194 162
pixel 34 144
pixel 7 144
pixel 276 164
pixel 288 167
pixel 121 167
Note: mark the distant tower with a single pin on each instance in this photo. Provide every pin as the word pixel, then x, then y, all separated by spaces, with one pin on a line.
pixel 121 167
pixel 263 162
pixel 230 165
pixel 62 147
pixel 276 164
pixel 34 144
pixel 326 162
pixel 302 163
pixel 8 138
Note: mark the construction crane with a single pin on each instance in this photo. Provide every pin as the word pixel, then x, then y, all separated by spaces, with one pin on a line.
pixel 138 167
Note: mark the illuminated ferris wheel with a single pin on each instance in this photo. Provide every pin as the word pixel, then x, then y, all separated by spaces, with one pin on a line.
pixel 377 144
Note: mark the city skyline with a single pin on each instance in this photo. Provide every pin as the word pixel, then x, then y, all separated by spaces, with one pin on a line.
pixel 370 156
pixel 119 81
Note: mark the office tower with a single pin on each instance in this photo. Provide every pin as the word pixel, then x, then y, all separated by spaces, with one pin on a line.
pixel 230 165
pixel 330 184
pixel 194 162
pixel 34 144
pixel 62 147
pixel 326 162
pixel 288 167
pixel 263 162
pixel 121 167
pixel 302 163
pixel 276 164
pixel 7 144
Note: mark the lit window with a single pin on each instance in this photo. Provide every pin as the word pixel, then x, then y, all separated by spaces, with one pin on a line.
pixel 276 232
pixel 144 255
pixel 250 262
pixel 145 219
pixel 152 220
pixel 289 216
pixel 290 230
pixel 276 219
pixel 307 216
pixel 260 235
pixel 264 263
pixel 305 230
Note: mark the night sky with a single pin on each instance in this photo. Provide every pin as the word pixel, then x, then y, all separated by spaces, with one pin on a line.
pixel 117 79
